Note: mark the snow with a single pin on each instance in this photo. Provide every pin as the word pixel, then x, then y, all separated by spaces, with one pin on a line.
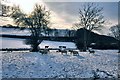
pixel 19 43
pixel 56 65
pixel 12 31
pixel 56 44
pixel 13 43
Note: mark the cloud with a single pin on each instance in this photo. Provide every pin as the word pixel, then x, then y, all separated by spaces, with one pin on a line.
pixel 26 5
pixel 5 21
pixel 65 14
pixel 62 20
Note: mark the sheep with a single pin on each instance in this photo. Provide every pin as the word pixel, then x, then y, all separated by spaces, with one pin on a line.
pixel 63 51
pixel 91 50
pixel 73 52
pixel 45 51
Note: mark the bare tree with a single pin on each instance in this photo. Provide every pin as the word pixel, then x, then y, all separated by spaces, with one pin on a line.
pixel 17 15
pixel 116 33
pixel 4 10
pixel 91 18
pixel 36 22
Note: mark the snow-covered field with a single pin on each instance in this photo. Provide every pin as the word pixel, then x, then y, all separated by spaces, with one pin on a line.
pixel 12 31
pixel 56 65
pixel 13 43
pixel 19 43
pixel 104 63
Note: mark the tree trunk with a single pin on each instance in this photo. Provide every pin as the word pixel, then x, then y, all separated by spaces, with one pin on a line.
pixel 85 42
pixel 89 38
pixel 35 43
pixel 35 48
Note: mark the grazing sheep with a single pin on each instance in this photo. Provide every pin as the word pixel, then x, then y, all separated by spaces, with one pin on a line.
pixel 91 50
pixel 59 50
pixel 71 51
pixel 75 53
pixel 45 51
pixel 63 51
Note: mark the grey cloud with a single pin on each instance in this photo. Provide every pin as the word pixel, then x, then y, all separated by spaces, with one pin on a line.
pixel 72 8
pixel 69 12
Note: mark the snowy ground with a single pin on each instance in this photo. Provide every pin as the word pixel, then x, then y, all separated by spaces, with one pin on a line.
pixel 13 43
pixel 54 64
pixel 12 31
pixel 19 43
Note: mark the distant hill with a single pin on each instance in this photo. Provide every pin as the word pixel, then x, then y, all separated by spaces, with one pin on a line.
pixel 100 41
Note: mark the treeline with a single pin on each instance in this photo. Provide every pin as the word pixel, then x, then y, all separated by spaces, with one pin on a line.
pixel 47 31
pixel 11 26
pixel 51 38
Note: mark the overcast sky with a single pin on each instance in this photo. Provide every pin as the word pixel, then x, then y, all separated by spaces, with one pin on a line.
pixel 65 14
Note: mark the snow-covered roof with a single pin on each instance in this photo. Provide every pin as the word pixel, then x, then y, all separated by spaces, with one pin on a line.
pixel 56 44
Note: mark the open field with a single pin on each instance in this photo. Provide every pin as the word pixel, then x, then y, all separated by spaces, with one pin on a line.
pixel 56 65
